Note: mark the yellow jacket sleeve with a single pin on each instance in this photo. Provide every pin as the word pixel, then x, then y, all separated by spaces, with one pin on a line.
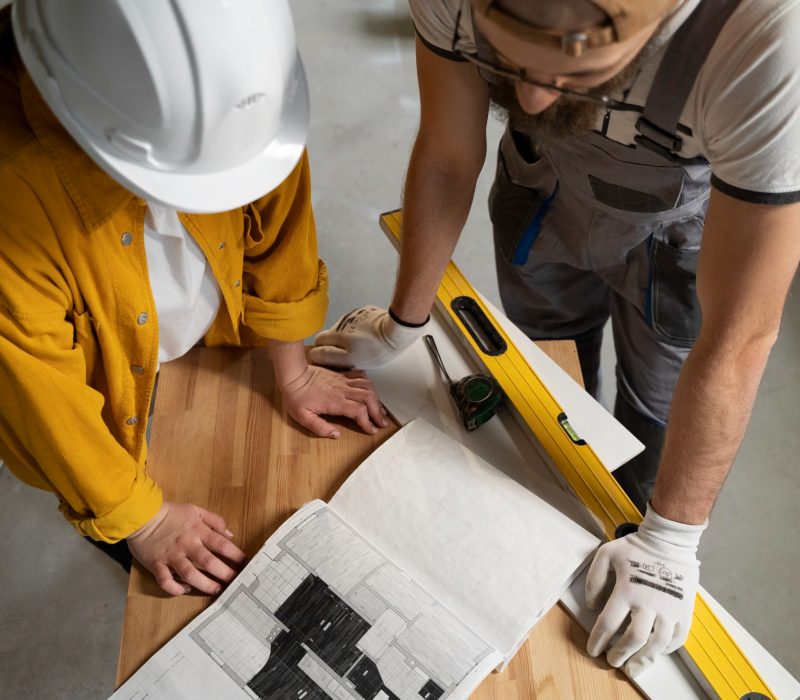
pixel 285 283
pixel 52 433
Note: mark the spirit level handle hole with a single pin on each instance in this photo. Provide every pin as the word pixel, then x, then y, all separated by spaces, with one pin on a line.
pixel 478 326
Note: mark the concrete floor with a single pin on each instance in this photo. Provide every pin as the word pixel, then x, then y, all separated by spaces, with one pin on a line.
pixel 61 601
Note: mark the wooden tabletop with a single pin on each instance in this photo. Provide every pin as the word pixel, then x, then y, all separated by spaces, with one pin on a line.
pixel 222 440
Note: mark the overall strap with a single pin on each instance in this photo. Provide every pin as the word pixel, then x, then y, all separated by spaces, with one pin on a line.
pixel 682 61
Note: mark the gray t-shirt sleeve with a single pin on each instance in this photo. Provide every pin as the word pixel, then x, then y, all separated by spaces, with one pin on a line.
pixel 435 23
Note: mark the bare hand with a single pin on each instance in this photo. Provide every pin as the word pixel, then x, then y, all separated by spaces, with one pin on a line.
pixel 319 391
pixel 181 546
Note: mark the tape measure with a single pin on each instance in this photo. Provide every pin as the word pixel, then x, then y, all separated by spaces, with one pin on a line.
pixel 714 654
pixel 477 396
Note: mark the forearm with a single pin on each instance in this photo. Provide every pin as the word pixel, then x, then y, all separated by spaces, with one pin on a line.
pixel 288 359
pixel 436 205
pixel 709 415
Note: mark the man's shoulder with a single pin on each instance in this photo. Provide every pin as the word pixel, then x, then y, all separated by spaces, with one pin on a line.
pixel 759 23
pixel 435 23
pixel 756 51
pixel 762 12
pixel 443 9
pixel 746 102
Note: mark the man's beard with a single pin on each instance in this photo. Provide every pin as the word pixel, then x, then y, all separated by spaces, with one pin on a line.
pixel 567 116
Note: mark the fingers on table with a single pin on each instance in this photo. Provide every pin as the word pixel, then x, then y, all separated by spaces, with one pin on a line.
pixel 349 409
pixel 368 398
pixel 220 544
pixel 316 424
pixel 358 412
pixel 201 558
pixel 187 570
pixel 165 578
pixel 214 521
pixel 200 569
pixel 363 390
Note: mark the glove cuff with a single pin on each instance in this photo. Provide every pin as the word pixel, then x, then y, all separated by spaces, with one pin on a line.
pixel 406 324
pixel 398 335
pixel 680 535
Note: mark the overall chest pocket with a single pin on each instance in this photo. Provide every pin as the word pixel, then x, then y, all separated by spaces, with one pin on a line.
pixel 625 180
pixel 523 190
pixel 674 308
pixel 643 191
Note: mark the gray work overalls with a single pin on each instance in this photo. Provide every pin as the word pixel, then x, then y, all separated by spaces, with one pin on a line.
pixel 586 227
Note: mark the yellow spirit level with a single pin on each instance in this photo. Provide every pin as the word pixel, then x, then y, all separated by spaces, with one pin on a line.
pixel 726 669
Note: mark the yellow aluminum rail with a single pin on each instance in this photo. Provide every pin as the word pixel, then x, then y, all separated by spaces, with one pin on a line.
pixel 713 651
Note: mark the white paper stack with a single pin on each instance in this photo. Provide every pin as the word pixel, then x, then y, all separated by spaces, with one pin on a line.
pixel 487 548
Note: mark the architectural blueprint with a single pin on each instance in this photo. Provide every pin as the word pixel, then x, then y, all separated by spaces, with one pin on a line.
pixel 426 571
pixel 318 613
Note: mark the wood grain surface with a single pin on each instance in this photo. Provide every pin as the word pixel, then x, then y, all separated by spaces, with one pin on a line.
pixel 221 439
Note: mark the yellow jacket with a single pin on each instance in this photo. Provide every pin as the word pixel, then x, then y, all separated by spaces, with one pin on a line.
pixel 78 328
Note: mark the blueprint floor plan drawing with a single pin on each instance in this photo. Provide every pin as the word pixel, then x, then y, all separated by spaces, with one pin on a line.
pixel 330 609
pixel 304 626
pixel 320 613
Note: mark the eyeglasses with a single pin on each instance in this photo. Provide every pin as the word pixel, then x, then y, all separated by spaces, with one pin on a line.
pixel 520 75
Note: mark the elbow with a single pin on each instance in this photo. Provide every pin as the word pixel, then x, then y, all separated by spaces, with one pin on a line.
pixel 474 164
pixel 462 164
pixel 744 347
pixel 463 171
pixel 755 349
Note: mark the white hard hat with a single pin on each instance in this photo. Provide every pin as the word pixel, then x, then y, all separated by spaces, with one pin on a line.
pixel 199 105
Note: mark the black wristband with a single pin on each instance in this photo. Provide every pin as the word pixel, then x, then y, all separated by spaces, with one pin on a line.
pixel 401 322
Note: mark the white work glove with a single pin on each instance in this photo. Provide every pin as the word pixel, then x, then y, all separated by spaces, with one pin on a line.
pixel 365 338
pixel 657 573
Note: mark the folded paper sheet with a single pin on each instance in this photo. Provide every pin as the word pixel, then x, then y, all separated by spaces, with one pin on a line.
pixel 486 548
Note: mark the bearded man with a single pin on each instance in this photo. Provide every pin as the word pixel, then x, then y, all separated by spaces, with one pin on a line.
pixel 648 173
